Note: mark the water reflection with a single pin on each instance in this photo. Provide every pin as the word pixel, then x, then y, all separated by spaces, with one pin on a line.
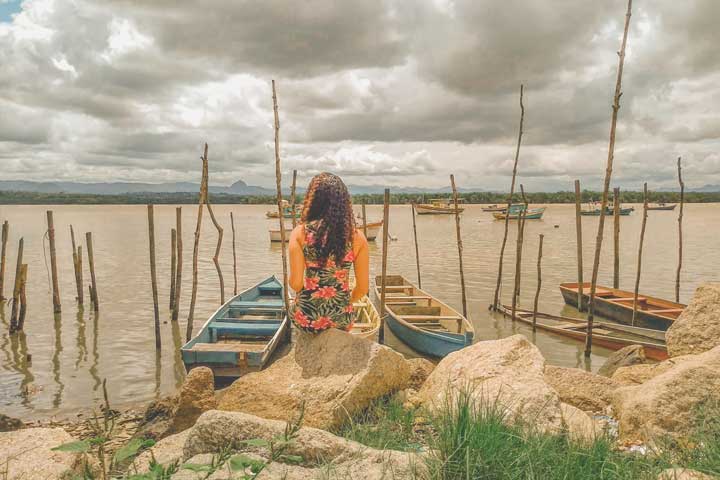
pixel 178 366
pixel 81 343
pixel 58 348
pixel 93 370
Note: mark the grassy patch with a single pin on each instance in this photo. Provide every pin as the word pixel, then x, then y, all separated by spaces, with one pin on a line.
pixel 702 451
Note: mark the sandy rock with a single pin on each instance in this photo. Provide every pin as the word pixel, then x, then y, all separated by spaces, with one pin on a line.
pixel 639 374
pixel 584 390
pixel 683 474
pixel 626 356
pixel 664 404
pixel 508 373
pixel 27 454
pixel 197 395
pixel 421 369
pixel 166 451
pixel 578 424
pixel 697 329
pixel 9 424
pixel 335 373
pixel 158 419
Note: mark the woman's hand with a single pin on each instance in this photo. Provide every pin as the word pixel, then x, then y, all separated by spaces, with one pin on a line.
pixel 361 266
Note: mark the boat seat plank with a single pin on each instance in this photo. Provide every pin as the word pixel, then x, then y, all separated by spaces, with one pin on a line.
pixel 396 287
pixel 602 331
pixel 400 303
pixel 419 318
pixel 666 310
pixel 229 347
pixel 627 299
pixel 221 328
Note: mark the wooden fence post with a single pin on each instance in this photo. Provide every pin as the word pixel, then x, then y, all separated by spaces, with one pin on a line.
pixel 91 263
pixel 153 275
pixel 173 266
pixel 417 250
pixel 278 184
pixel 196 248
pixel 518 252
pixel 178 271
pixel 680 232
pixel 3 258
pixel 364 219
pixel 22 297
pixel 616 237
pixel 578 230
pixel 539 281
pixel 459 246
pixel 234 250
pixel 81 290
pixel 383 278
pixel 77 268
pixel 640 252
pixel 53 263
pixel 16 291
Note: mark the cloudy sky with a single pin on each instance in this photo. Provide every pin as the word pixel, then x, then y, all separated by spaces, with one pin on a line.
pixel 394 92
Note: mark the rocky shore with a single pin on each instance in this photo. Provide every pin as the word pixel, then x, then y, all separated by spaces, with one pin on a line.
pixel 282 422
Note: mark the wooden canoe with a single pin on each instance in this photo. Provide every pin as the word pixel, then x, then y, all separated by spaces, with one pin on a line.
pixel 608 212
pixel 438 206
pixel 367 320
pixel 532 214
pixel 662 206
pixel 605 334
pixel 421 321
pixel 617 305
pixel 494 208
pixel 373 230
pixel 242 334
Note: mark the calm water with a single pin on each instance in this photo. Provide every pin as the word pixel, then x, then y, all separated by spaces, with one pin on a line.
pixel 72 352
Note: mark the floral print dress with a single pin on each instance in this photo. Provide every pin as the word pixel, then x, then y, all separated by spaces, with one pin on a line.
pixel 324 301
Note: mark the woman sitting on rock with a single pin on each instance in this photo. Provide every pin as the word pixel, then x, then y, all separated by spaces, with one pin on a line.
pixel 323 248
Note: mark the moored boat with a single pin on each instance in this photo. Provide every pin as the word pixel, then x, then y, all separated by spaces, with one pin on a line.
pixel 494 208
pixel 662 206
pixel 421 321
pixel 367 319
pixel 605 334
pixel 438 206
pixel 373 230
pixel 594 210
pixel 287 211
pixel 517 209
pixel 242 334
pixel 617 305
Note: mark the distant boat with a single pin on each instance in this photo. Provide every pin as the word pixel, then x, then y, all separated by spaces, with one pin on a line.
pixel 617 305
pixel 605 334
pixel 373 230
pixel 242 334
pixel 662 206
pixel 421 321
pixel 287 211
pixel 438 206
pixel 515 211
pixel 594 210
pixel 367 319
pixel 494 208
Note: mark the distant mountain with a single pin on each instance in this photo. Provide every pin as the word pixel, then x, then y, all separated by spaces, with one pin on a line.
pixel 370 189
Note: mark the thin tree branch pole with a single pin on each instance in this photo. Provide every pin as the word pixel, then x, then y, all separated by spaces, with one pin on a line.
pixel 459 245
pixel 578 231
pixel 608 176
pixel 57 308
pixel 278 184
pixel 218 246
pixel 153 273
pixel 196 248
pixel 417 250
pixel 16 292
pixel 518 252
pixel 3 258
pixel 173 266
pixel 234 250
pixel 640 251
pixel 383 277
pixel 539 282
pixel 616 237
pixel 81 290
pixel 496 298
pixel 292 198
pixel 364 219
pixel 91 263
pixel 680 233
pixel 77 268
pixel 22 297
pixel 178 271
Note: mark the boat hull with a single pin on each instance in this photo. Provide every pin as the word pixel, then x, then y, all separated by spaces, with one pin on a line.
pixel 532 214
pixel 427 343
pixel 426 209
pixel 608 212
pixel 665 207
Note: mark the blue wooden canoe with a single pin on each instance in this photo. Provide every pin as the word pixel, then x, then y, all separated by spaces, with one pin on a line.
pixel 242 334
pixel 421 321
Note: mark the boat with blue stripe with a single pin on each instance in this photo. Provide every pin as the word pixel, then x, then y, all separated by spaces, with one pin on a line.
pixel 241 335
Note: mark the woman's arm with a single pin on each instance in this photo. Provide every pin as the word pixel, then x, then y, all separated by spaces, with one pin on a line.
pixel 362 267
pixel 297 258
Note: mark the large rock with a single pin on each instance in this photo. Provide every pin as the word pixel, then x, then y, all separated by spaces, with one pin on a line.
pixel 507 373
pixel 697 329
pixel 197 395
pixel 158 418
pixel 334 374
pixel 665 404
pixel 165 452
pixel 27 453
pixel 625 357
pixel 578 424
pixel 584 390
pixel 639 374
pixel 9 424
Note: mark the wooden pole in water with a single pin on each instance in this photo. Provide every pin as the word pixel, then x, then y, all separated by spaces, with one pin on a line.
pixel 518 252
pixel 196 247
pixel 417 250
pixel 496 298
pixel 616 237
pixel 218 246
pixel 292 198
pixel 278 184
pixel 459 244
pixel 153 273
pixel 234 250
pixel 178 270
pixel 383 278
pixel 173 266
pixel 640 251
pixel 22 297
pixel 539 281
pixel 578 230
pixel 57 308
pixel 77 268
pixel 680 234
pixel 608 175
pixel 3 258
pixel 81 290
pixel 364 219
pixel 91 263
pixel 16 291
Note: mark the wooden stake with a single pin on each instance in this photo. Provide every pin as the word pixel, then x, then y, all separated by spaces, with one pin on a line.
pixel 53 263
pixel 383 278
pixel 77 268
pixel 173 266
pixel 196 247
pixel 608 176
pixel 459 245
pixel 218 247
pixel 153 273
pixel 518 253
pixel 178 271
pixel 235 279
pixel 616 237
pixel 81 290
pixel 16 288
pixel 539 281
pixel 292 198
pixel 680 233
pixel 578 230
pixel 22 297
pixel 364 219
pixel 640 251
pixel 278 184
pixel 417 251
pixel 91 263
pixel 496 298
pixel 3 258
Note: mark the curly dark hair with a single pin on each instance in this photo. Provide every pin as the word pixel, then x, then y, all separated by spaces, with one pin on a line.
pixel 328 202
